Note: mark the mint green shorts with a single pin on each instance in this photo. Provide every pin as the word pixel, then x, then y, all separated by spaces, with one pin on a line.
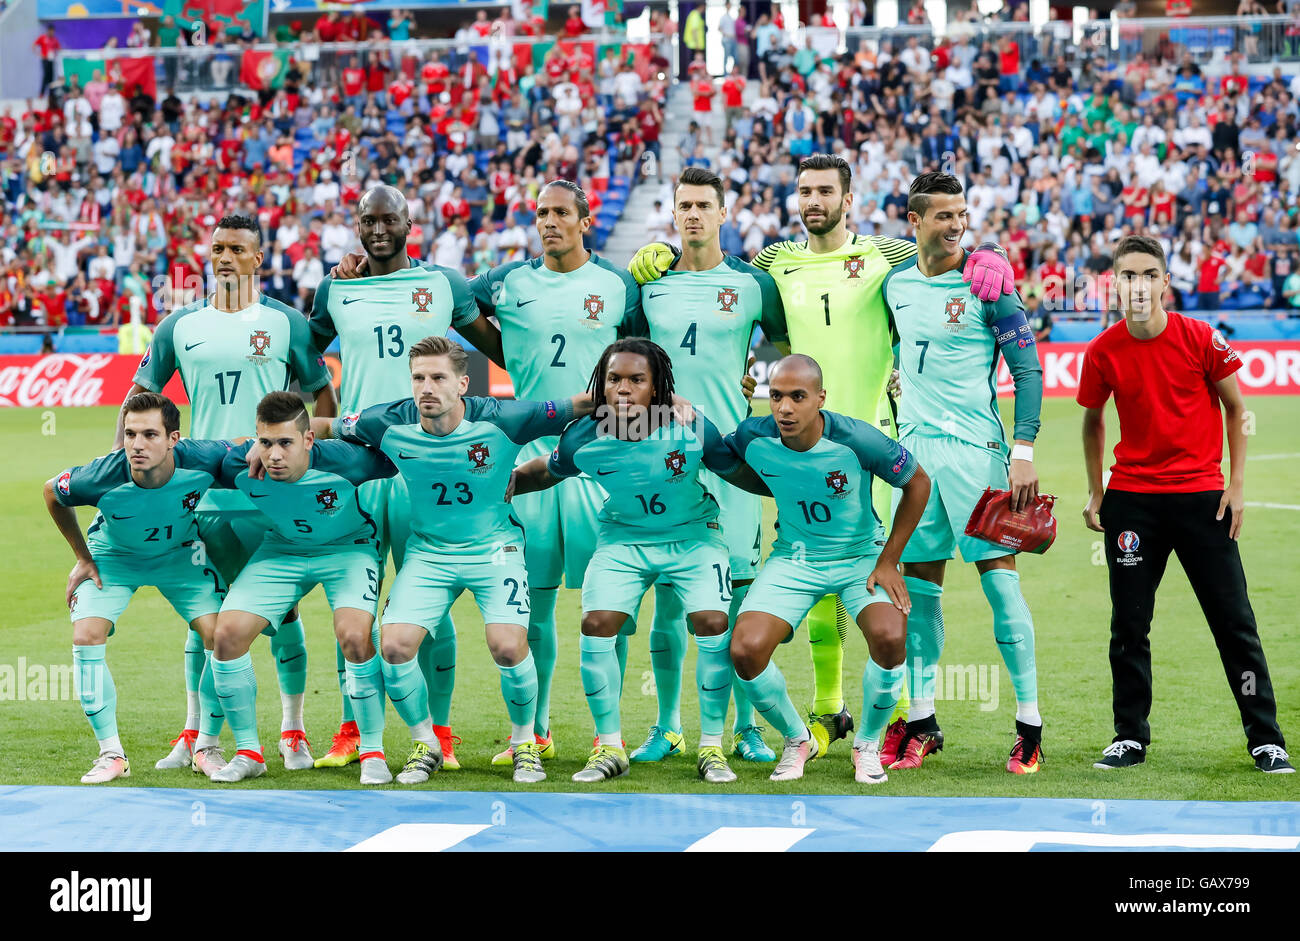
pixel 560 530
pixel 787 588
pixel 741 516
pixel 187 579
pixel 231 538
pixel 959 473
pixel 697 569
pixel 388 504
pixel 425 588
pixel 273 582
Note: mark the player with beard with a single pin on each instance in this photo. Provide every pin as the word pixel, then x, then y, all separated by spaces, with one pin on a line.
pixel 377 318
pixel 830 288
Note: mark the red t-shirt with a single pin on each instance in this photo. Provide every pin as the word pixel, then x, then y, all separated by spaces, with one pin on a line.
pixel 399 91
pixel 435 75
pixel 733 91
pixel 329 32
pixel 47 45
pixel 703 91
pixel 574 26
pixel 1162 209
pixel 1009 59
pixel 353 81
pixel 376 76
pixel 1210 268
pixel 1052 277
pixel 1171 427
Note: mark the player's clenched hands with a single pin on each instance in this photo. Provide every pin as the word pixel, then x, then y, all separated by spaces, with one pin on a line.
pixel 1234 501
pixel 256 469
pixel 683 411
pixel 989 273
pixel 353 265
pixel 895 386
pixel 1090 513
pixel 84 569
pixel 887 577
pixel 510 487
pixel 748 384
pixel 1024 484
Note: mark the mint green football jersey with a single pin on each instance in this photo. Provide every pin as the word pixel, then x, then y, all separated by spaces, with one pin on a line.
pixel 142 521
pixel 377 321
pixel 949 343
pixel 705 321
pixel 319 512
pixel 555 325
pixel 228 363
pixel 655 494
pixel 824 509
pixel 458 481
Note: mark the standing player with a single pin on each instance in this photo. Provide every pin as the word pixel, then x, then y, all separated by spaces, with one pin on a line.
pixel 1168 373
pixel 320 535
pixel 703 312
pixel 144 534
pixel 557 313
pixel 830 289
pixel 948 359
pixel 819 467
pixel 457 454
pixel 231 349
pixel 377 318
pixel 659 522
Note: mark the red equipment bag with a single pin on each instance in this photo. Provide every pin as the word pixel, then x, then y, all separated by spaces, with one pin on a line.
pixel 1031 530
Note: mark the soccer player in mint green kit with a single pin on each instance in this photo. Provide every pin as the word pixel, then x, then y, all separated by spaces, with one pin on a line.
pixel 819 466
pixel 558 312
pixel 949 343
pixel 659 521
pixel 457 455
pixel 320 535
pixel 231 349
pixel 703 312
pixel 378 304
pixel 145 533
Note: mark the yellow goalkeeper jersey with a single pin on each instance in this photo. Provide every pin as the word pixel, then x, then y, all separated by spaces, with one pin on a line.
pixel 835 313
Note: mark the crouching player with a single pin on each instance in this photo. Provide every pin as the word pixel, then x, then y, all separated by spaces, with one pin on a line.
pixel 658 522
pixel 456 455
pixel 319 535
pixel 818 466
pixel 144 534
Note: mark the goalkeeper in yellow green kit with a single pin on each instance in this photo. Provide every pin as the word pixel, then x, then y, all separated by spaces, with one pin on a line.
pixel 830 287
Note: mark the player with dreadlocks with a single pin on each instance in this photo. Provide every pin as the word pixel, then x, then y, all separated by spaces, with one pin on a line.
pixel 659 522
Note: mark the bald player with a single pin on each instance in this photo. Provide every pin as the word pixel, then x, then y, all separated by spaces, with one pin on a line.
pixel 377 317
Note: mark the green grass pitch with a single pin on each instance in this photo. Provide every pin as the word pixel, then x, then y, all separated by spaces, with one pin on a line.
pixel 1198 751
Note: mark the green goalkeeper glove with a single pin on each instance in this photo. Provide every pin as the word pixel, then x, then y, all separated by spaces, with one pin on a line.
pixel 652 261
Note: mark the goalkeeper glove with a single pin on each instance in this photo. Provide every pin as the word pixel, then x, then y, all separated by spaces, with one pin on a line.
pixel 652 261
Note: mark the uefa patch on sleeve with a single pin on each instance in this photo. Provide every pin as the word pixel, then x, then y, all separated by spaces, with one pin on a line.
pixel 145 360
pixel 903 457
pixel 64 483
pixel 550 409
pixel 348 425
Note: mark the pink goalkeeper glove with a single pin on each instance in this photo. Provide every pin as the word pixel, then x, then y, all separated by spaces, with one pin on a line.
pixel 989 273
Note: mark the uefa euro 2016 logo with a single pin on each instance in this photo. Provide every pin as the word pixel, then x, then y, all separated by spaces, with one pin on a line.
pixel 1128 541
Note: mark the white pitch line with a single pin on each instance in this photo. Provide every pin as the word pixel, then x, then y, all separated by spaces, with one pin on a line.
pixel 749 840
pixel 1275 506
pixel 1271 457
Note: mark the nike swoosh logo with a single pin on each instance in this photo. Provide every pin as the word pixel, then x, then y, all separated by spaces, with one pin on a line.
pixel 96 712
pixel 524 703
pixel 1008 643
pixel 601 473
pixel 660 294
pixel 368 695
pixel 406 457
pixel 190 346
pixel 350 300
pixel 793 270
pixel 403 698
pixel 874 706
pixel 901 306
pixel 444 669
pixel 116 517
pixel 213 715
pixel 524 303
pixel 258 496
pixel 597 692
pixel 766 474
pixel 293 658
pixel 714 689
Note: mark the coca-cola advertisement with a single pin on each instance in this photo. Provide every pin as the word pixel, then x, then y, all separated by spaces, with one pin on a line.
pixel 62 379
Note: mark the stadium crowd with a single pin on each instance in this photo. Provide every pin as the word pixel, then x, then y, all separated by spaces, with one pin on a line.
pixel 1062 154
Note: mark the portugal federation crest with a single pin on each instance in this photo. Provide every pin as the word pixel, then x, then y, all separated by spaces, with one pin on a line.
pixel 676 462
pixel 260 341
pixel 728 297
pixel 479 454
pixel 190 501
pixel 854 264
pixel 594 305
pixel 837 481
pixel 421 298
pixel 328 500
pixel 956 307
